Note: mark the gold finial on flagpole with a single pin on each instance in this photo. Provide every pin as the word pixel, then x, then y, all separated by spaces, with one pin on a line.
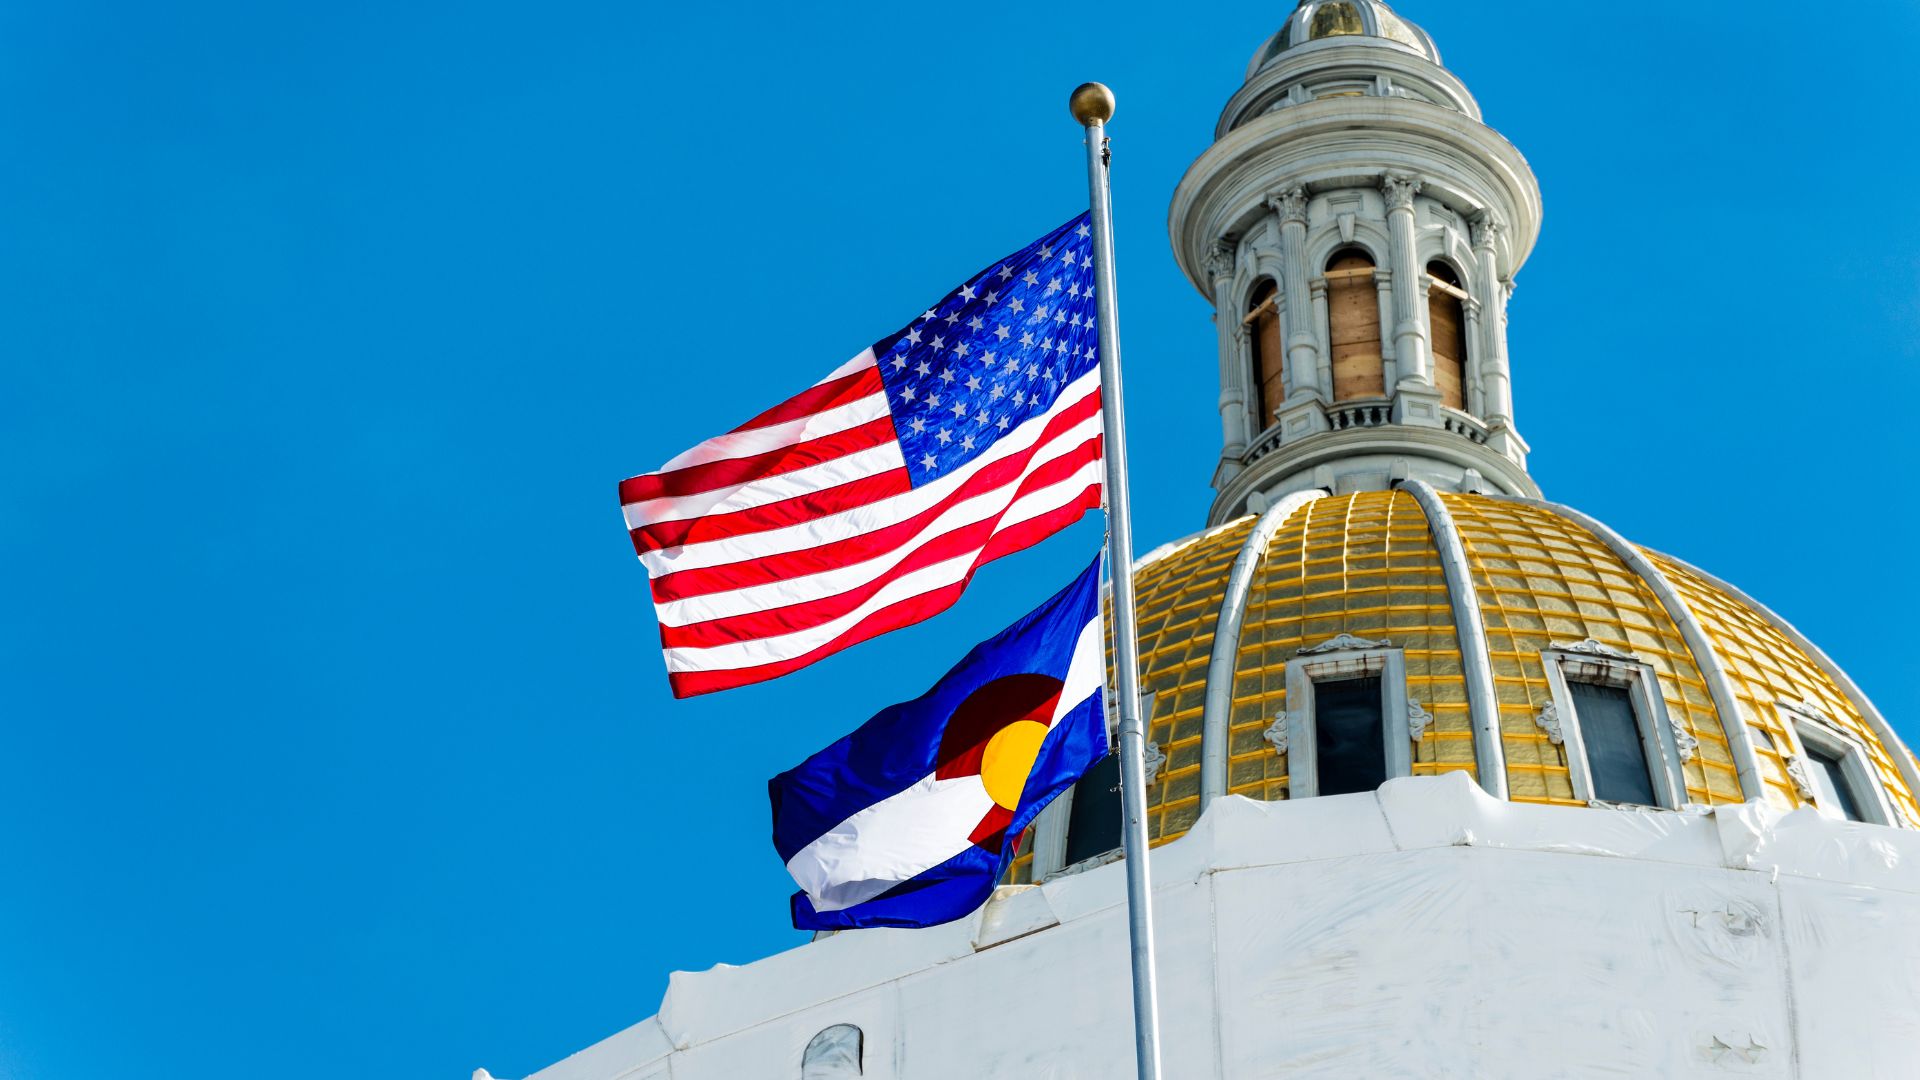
pixel 1092 103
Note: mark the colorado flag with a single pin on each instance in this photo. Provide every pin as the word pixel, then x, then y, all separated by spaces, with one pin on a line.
pixel 912 819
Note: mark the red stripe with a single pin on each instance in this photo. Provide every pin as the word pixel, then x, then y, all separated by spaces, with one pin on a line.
pixel 974 537
pixel 776 515
pixel 732 472
pixel 892 617
pixel 869 544
pixel 813 399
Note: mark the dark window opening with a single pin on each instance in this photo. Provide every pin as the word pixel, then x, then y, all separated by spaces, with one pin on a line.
pixel 1093 822
pixel 1615 753
pixel 1347 743
pixel 1447 320
pixel 1269 352
pixel 1831 790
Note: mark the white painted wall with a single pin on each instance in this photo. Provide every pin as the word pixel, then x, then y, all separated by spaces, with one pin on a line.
pixel 1427 930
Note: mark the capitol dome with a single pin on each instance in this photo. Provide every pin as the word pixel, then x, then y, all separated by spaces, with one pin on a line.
pixel 1732 703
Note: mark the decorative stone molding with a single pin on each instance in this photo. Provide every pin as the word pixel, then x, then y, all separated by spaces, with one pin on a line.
pixel 1344 643
pixel 1276 733
pixel 1807 710
pixel 1400 188
pixel 1290 204
pixel 1683 740
pixel 1591 647
pixel 1349 227
pixel 1220 259
pixel 1156 762
pixel 1487 229
pixel 1418 721
pixel 1548 721
pixel 1797 772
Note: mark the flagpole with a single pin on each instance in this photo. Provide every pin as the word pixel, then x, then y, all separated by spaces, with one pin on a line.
pixel 1092 105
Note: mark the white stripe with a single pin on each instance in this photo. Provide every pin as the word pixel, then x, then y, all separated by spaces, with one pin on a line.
pixel 879 515
pixel 894 840
pixel 1086 673
pixel 772 489
pixel 772 649
pixel 804 588
pixel 904 835
pixel 740 444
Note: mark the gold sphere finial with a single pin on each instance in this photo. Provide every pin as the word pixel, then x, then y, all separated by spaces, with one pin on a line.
pixel 1092 103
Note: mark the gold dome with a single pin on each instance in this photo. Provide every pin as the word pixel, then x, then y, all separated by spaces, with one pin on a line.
pixel 1367 565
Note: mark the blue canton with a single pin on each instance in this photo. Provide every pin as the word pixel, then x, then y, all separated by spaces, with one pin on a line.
pixel 993 353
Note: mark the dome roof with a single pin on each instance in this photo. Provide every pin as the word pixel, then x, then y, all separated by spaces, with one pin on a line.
pixel 1368 565
pixel 1316 20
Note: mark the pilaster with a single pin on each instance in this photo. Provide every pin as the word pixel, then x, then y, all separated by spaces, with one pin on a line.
pixel 1303 362
pixel 1416 400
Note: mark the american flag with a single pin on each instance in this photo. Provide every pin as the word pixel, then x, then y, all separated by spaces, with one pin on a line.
pixel 866 502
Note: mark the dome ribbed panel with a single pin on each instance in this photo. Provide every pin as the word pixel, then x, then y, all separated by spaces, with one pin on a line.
pixel 1543 580
pixel 1178 598
pixel 1767 668
pixel 1357 564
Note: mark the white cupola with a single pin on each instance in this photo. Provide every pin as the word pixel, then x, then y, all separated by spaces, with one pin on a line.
pixel 1357 229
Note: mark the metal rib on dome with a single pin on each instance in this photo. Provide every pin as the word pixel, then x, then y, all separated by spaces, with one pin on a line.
pixel 1226 643
pixel 1483 701
pixel 1739 741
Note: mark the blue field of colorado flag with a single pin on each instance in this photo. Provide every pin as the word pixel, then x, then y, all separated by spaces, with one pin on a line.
pixel 912 819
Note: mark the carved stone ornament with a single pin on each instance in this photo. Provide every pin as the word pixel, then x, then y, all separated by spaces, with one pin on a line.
pixel 1684 741
pixel 1276 733
pixel 1220 259
pixel 1591 647
pixel 1806 710
pixel 1156 763
pixel 1290 204
pixel 1400 189
pixel 1549 722
pixel 1487 229
pixel 1797 772
pixel 1418 720
pixel 1343 643
pixel 1349 225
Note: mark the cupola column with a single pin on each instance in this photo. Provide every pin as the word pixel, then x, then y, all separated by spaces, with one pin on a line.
pixel 1234 373
pixel 1303 360
pixel 1496 380
pixel 1383 280
pixel 1416 398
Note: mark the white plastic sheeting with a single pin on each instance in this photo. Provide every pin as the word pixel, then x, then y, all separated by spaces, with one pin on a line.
pixel 1426 930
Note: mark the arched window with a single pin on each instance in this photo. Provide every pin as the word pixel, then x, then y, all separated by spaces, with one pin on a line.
pixel 1353 327
pixel 1447 320
pixel 834 1053
pixel 1269 352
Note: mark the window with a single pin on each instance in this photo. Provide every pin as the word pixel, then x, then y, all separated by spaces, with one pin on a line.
pixel 1348 727
pixel 1610 719
pixel 1447 323
pixel 834 1053
pixel 1269 352
pixel 1094 812
pixel 1615 753
pixel 1831 769
pixel 1352 757
pixel 1353 327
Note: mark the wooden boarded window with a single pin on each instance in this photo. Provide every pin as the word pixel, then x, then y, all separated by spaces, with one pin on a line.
pixel 1447 319
pixel 1353 326
pixel 1269 353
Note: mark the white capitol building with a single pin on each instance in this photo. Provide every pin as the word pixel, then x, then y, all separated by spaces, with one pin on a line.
pixel 1451 781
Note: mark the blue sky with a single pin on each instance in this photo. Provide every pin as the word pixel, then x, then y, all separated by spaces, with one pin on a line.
pixel 334 738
